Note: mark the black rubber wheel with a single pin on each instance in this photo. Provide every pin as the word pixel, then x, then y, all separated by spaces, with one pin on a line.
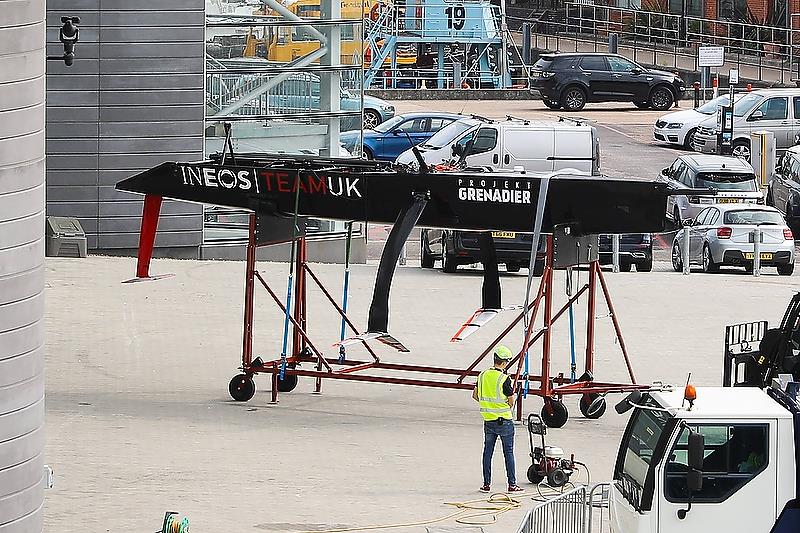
pixel 661 98
pixel 786 270
pixel 242 387
pixel 534 476
pixel 552 105
pixel 586 402
pixel 557 478
pixel 573 99
pixel 538 268
pixel 709 266
pixel 741 149
pixel 426 260
pixel 371 119
pixel 645 266
pixel 512 267
pixel 689 139
pixel 677 257
pixel 554 413
pixel 449 264
pixel 642 105
pixel 624 266
pixel 288 383
pixel 368 154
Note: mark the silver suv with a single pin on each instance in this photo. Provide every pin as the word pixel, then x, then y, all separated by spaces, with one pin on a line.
pixel 775 110
pixel 732 178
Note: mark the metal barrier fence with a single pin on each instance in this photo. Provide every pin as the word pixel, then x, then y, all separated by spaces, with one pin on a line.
pixel 760 52
pixel 580 510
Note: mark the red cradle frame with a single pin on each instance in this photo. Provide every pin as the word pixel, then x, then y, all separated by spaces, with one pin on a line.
pixel 305 351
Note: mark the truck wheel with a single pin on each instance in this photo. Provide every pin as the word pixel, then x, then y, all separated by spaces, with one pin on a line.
pixel 554 413
pixel 534 476
pixel 426 260
pixel 645 266
pixel 585 406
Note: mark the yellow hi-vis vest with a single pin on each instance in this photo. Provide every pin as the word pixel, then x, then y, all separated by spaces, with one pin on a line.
pixel 493 403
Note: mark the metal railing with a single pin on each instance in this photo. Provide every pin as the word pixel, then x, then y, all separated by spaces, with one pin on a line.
pixel 580 510
pixel 760 52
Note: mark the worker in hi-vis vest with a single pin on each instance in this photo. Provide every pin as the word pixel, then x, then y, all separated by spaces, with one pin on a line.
pixel 494 391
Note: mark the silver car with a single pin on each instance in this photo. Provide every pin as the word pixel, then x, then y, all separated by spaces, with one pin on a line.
pixel 723 235
pixel 732 178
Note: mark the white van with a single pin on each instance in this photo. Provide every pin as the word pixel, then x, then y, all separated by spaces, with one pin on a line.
pixel 536 146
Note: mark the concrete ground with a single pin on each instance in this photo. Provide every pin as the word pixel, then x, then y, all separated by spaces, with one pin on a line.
pixel 140 421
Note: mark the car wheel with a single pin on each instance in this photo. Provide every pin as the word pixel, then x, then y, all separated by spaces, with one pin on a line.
pixel 642 105
pixel 512 267
pixel 426 259
pixel 552 105
pixel 573 99
pixel 786 270
pixel 677 257
pixel 661 99
pixel 624 266
pixel 371 119
pixel 449 264
pixel 645 266
pixel 709 266
pixel 689 140
pixel 368 154
pixel 741 149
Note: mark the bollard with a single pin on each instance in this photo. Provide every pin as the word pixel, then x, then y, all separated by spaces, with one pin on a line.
pixel 526 44
pixel 749 87
pixel 696 86
pixel 685 250
pixel 612 43
pixel 615 252
pixel 757 252
pixel 715 87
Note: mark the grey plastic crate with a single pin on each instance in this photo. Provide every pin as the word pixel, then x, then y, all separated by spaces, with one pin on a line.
pixel 64 237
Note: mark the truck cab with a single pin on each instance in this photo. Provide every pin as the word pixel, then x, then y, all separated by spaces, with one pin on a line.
pixel 749 462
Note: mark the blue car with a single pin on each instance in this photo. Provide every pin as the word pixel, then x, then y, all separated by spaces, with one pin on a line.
pixel 393 137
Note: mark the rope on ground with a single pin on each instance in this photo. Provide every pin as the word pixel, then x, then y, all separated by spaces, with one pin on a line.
pixel 479 512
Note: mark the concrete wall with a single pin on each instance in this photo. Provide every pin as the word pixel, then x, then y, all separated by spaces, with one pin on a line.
pixel 134 98
pixel 22 172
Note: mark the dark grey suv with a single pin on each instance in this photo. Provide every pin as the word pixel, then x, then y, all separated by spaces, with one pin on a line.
pixel 569 81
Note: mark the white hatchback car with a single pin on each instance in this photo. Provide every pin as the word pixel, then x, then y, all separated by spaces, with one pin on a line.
pixel 678 128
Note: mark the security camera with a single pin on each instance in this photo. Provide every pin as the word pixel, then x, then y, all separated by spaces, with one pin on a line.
pixel 68 35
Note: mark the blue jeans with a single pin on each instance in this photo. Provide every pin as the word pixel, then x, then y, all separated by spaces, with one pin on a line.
pixel 492 430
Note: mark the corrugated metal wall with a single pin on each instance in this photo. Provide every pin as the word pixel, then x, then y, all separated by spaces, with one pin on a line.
pixel 133 99
pixel 22 173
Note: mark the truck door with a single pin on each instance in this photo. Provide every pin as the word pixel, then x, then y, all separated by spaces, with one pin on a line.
pixel 573 148
pixel 532 149
pixel 485 150
pixel 739 479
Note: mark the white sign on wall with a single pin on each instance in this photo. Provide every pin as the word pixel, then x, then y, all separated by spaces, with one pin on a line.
pixel 711 56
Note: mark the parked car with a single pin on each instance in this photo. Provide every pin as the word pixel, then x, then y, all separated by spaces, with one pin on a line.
pixel 569 81
pixel 634 249
pixel 387 140
pixel 722 235
pixel 783 191
pixel 454 248
pixel 535 146
pixel 775 110
pixel 678 128
pixel 732 178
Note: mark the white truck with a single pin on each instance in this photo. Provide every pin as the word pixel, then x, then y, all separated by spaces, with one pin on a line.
pixel 737 478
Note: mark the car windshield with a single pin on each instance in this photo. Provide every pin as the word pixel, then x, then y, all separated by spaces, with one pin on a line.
pixel 646 429
pixel 754 217
pixel 389 124
pixel 710 107
pixel 449 133
pixel 745 104
pixel 723 181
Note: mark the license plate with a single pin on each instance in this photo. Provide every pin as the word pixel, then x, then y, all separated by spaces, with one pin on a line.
pixel 764 256
pixel 728 200
pixel 504 234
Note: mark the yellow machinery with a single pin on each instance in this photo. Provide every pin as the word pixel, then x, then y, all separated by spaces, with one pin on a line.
pixel 288 43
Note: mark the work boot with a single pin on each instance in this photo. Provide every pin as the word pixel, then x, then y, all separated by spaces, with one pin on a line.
pixel 515 488
pixel 485 488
